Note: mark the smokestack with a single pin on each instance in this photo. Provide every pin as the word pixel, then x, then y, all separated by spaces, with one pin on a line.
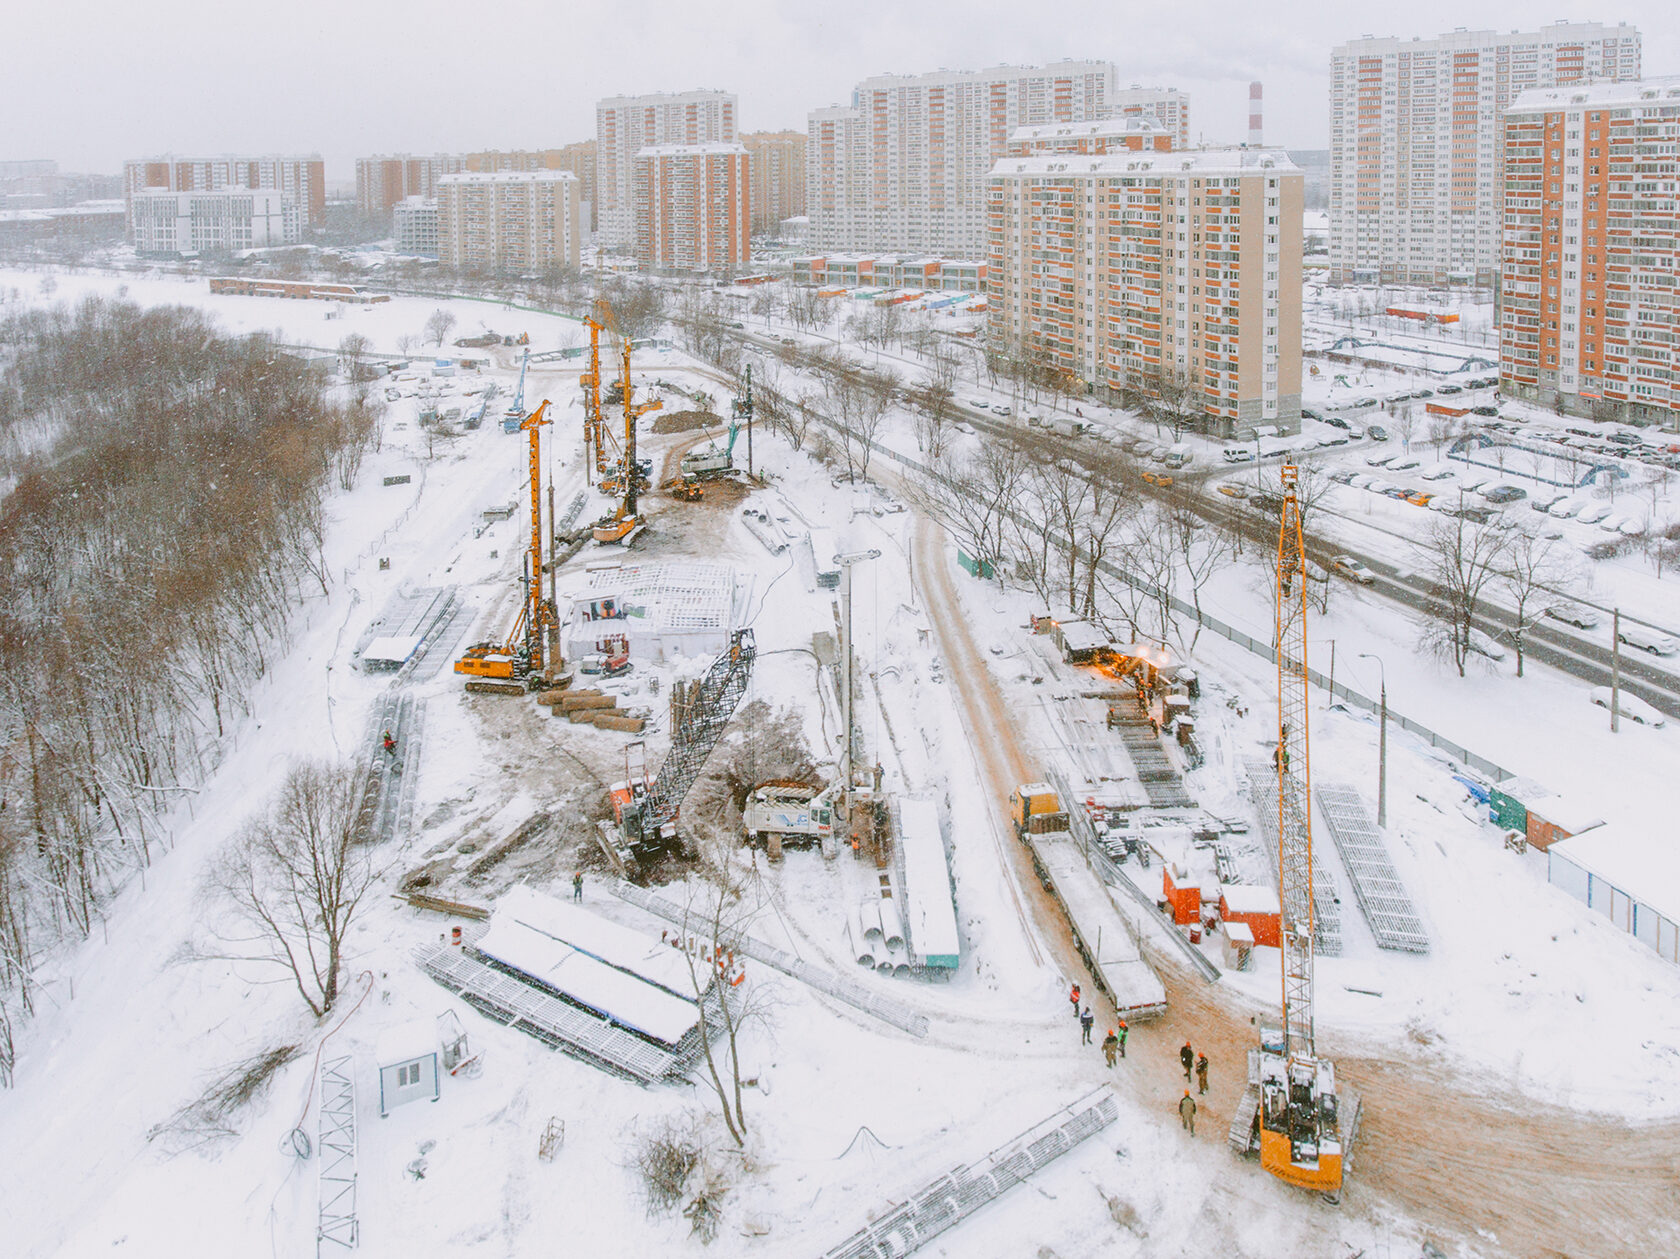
pixel 1254 132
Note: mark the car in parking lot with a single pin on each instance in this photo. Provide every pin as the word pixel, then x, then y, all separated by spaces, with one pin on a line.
pixel 1233 489
pixel 1546 501
pixel 1365 402
pixel 1573 614
pixel 979 404
pixel 1237 454
pixel 1380 461
pixel 1342 476
pixel 1482 645
pixel 1625 439
pixel 1362 481
pixel 1437 474
pixel 1593 513
pixel 1505 494
pixel 1566 507
pixel 1352 569
pixel 1340 439
pixel 1484 411
pixel 1446 389
pixel 1404 464
pixel 1653 641
pixel 1162 479
pixel 1630 706
pixel 1419 498
pixel 1334 421
pixel 1424 393
pixel 1476 481
pixel 1377 433
pixel 1308 414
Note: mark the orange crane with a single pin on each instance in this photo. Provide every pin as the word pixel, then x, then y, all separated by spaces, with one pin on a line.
pixel 597 320
pixel 1301 1134
pixel 623 523
pixel 516 665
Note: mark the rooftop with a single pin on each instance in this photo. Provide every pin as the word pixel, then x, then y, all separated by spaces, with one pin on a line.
pixel 688 596
pixel 509 177
pixel 691 150
pixel 1597 95
pixel 1196 162
pixel 1131 124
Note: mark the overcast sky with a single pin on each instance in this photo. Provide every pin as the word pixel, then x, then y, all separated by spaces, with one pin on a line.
pixel 91 83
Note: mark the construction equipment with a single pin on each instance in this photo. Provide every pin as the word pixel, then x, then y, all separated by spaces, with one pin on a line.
pixel 1035 810
pixel 1300 1130
pixel 516 665
pixel 686 487
pixel 590 381
pixel 781 812
pixel 514 416
pixel 622 525
pixel 611 658
pixel 714 461
pixel 645 809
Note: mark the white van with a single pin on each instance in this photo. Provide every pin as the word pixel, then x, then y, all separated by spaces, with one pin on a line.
pixel 1179 455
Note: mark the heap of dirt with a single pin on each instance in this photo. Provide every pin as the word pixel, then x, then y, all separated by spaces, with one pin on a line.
pixel 685 421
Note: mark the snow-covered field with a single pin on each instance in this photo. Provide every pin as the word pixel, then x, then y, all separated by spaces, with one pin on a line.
pixel 1524 987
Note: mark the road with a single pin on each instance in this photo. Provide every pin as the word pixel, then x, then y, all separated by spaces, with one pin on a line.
pixel 1448 1149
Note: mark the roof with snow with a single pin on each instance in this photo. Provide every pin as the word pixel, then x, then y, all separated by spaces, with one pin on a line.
pixel 392 650
pixel 607 941
pixel 406 1041
pixel 1130 124
pixel 1546 100
pixel 927 885
pixel 509 177
pixel 692 150
pixel 1642 862
pixel 1249 898
pixel 686 596
pixel 1185 163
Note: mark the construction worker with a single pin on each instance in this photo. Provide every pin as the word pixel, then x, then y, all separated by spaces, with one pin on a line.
pixel 1280 758
pixel 1201 1072
pixel 1111 1048
pixel 1122 1030
pixel 1187 1112
pixel 577 885
pixel 1188 1057
pixel 389 744
pixel 1074 998
pixel 1085 1021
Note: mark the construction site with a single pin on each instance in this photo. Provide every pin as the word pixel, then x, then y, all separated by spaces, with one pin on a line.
pixel 721 793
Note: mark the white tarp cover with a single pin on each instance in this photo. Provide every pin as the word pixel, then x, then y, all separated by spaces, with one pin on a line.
pixel 393 650
pixel 616 945
pixel 927 885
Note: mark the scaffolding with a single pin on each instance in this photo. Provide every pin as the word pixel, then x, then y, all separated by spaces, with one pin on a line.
pixel 1262 779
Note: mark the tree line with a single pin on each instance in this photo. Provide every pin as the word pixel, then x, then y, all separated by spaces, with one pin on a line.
pixel 162 526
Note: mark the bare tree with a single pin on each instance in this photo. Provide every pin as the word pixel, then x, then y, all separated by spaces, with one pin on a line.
pixel 1201 550
pixel 406 343
pixel 1464 560
pixel 438 325
pixel 293 878
pixel 1530 569
pixel 972 497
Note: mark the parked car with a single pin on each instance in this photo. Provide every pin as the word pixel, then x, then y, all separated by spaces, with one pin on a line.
pixel 1366 402
pixel 1380 461
pixel 1377 433
pixel 1233 489
pixel 1566 507
pixel 1573 614
pixel 1237 454
pixel 1630 706
pixel 979 404
pixel 1476 481
pixel 1482 645
pixel 1342 476
pixel 1003 410
pixel 1340 439
pixel 1404 464
pixel 1505 494
pixel 1437 474
pixel 1593 513
pixel 1546 501
pixel 1653 641
pixel 1334 421
pixel 1625 439
pixel 1424 393
pixel 1308 414
pixel 1484 411
pixel 1419 498
pixel 1446 389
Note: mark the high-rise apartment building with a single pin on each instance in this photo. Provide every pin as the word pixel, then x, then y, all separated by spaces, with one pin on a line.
pixel 385 179
pixel 1129 269
pixel 302 178
pixel 905 166
pixel 212 222
pixel 778 177
pixel 625 125
pixel 1169 107
pixel 693 206
pixel 414 222
pixel 1415 142
pixel 1135 134
pixel 1589 311
pixel 516 222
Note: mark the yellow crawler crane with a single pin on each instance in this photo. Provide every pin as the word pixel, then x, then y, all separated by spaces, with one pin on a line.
pixel 1301 1139
pixel 516 666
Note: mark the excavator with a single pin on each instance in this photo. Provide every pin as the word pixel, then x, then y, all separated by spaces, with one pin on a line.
pixel 1303 1126
pixel 714 461
pixel 516 665
pixel 621 526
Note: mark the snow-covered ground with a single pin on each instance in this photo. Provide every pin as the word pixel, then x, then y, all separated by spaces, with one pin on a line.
pixel 1523 984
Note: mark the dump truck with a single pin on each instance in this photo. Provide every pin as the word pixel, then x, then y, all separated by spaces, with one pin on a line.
pixel 1035 810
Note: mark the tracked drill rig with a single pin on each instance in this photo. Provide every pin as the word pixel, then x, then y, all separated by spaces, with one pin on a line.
pixel 624 521
pixel 1301 1137
pixel 517 665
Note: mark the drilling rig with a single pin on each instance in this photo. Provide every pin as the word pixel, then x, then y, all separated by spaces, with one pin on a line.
pixel 599 318
pixel 516 665
pixel 645 809
pixel 622 525
pixel 1301 1132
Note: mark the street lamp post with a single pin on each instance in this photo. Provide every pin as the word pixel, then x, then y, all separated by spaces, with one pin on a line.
pixel 1382 743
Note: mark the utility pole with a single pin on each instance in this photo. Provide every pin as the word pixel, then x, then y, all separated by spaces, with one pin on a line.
pixel 848 752
pixel 1615 670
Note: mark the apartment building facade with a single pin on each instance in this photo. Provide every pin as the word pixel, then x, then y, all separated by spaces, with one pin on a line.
pixel 625 125
pixel 1167 106
pixel 512 222
pixel 387 178
pixel 693 207
pixel 221 221
pixel 1129 134
pixel 414 222
pixel 778 177
pixel 303 178
pixel 1125 269
pixel 1589 310
pixel 905 166
pixel 1416 160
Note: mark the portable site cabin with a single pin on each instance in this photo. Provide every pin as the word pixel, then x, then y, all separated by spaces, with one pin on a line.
pixel 1630 876
pixel 1080 641
pixel 1182 896
pixel 1256 908
pixel 929 911
pixel 408 1065
pixel 1541 815
pixel 1239 945
pixel 825 545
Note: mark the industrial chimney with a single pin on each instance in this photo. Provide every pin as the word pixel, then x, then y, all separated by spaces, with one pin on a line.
pixel 1254 132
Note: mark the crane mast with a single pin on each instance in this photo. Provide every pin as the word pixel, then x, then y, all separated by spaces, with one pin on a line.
pixel 1300 1137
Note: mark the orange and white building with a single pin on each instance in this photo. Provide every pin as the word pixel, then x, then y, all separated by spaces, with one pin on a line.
pixel 302 179
pixel 513 222
pixel 693 207
pixel 905 166
pixel 1123 268
pixel 625 125
pixel 778 178
pixel 388 178
pixel 1589 310
pixel 1131 134
pixel 1416 162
